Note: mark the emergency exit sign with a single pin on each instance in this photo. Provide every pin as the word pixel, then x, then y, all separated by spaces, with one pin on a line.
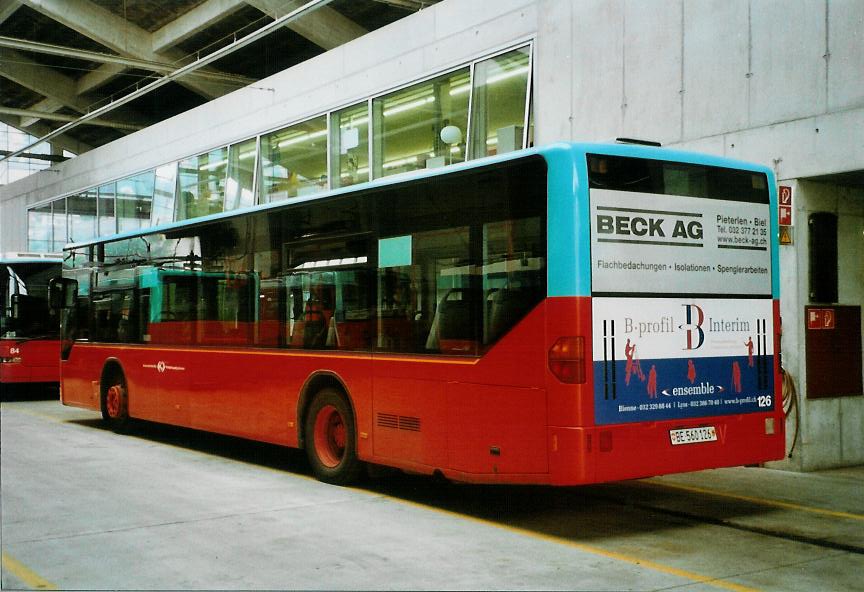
pixel 785 206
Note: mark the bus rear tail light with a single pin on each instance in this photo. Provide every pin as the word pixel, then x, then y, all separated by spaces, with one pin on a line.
pixel 567 359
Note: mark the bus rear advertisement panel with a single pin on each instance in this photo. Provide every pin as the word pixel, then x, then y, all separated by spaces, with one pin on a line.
pixel 671 244
pixel 681 358
pixel 683 316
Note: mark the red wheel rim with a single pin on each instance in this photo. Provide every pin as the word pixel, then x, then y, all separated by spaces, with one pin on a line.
pixel 329 436
pixel 114 401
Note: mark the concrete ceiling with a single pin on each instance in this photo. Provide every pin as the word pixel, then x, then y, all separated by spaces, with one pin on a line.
pixel 60 59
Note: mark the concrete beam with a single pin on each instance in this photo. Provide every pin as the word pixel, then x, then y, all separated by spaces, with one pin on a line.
pixel 35 115
pixel 324 27
pixel 112 31
pixel 45 105
pixel 7 9
pixel 47 82
pixel 99 77
pixel 194 21
pixel 60 91
pixel 63 142
pixel 98 24
pixel 110 58
pixel 409 4
pixel 267 29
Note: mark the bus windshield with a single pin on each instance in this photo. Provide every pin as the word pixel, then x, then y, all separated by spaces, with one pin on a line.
pixel 24 292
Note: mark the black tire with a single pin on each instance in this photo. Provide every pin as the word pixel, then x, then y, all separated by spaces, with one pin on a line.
pixel 331 438
pixel 114 401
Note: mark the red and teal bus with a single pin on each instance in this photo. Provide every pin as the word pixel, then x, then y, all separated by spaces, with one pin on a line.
pixel 564 315
pixel 29 329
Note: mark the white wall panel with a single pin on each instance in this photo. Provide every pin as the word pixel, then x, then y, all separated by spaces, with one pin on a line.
pixel 830 143
pixel 455 17
pixel 715 66
pixel 846 43
pixel 852 436
pixel 652 70
pixel 501 30
pixel 597 63
pixel 553 74
pixel 788 64
pixel 403 36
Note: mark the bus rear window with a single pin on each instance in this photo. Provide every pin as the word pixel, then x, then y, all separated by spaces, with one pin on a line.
pixel 622 173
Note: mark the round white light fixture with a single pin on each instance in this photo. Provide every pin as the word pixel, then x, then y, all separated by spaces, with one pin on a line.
pixel 451 135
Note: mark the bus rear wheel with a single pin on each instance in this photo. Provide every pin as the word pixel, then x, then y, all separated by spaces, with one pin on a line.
pixel 115 401
pixel 331 442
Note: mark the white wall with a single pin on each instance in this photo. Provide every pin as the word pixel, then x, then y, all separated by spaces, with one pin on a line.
pixel 831 431
pixel 773 82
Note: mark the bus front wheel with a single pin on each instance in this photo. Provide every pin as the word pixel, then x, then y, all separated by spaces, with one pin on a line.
pixel 331 442
pixel 115 401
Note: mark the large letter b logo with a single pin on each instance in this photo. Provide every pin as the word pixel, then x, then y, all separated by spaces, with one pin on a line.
pixel 695 316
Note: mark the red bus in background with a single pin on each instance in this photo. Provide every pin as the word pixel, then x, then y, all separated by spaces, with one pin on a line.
pixel 29 328
pixel 570 314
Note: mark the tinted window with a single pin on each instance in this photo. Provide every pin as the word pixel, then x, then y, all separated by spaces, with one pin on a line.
pixel 437 265
pixel 642 175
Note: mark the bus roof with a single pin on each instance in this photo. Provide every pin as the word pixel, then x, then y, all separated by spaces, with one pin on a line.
pixel 575 149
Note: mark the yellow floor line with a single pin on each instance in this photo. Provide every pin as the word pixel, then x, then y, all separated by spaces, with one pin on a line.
pixel 667 569
pixel 758 500
pixel 692 576
pixel 26 575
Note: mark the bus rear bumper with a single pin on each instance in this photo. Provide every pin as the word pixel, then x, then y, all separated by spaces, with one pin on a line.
pixel 616 452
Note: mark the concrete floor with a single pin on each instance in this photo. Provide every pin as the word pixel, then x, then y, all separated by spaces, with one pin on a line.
pixel 165 508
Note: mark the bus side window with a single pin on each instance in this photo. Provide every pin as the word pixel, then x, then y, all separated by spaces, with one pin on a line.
pixel 270 326
pixel 397 309
pixel 456 322
pixel 317 313
pixel 513 274
pixel 430 269
pixel 350 327
pixel 115 317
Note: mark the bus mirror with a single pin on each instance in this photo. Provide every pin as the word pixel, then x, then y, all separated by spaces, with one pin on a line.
pixel 62 292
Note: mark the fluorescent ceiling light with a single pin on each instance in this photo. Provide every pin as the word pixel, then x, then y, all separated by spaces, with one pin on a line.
pixel 355 122
pixel 332 262
pixel 408 106
pixel 302 138
pixel 507 74
pixel 458 90
pixel 212 165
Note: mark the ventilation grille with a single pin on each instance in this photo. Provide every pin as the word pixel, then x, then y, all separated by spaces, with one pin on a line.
pixel 398 422
pixel 388 420
pixel 409 423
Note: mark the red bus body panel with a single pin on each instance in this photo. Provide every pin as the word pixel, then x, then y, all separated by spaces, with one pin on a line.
pixel 39 361
pixel 499 418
